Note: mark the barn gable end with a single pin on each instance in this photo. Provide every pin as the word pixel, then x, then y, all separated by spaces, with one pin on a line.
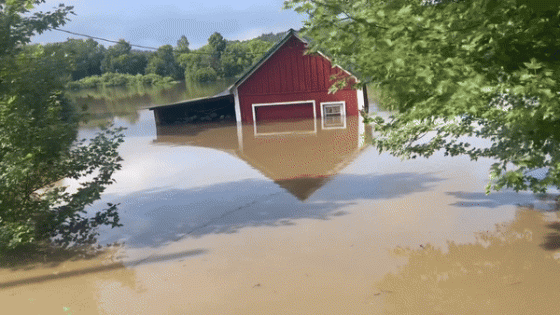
pixel 290 71
pixel 288 80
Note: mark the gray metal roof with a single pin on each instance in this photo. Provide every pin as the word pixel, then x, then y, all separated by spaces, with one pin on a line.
pixel 206 99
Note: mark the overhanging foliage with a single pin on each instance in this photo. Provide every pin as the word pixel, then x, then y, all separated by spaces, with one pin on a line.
pixel 480 68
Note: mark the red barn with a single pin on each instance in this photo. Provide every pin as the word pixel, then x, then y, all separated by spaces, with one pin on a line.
pixel 285 84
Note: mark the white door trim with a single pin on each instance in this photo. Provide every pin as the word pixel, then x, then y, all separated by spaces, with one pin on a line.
pixel 237 105
pixel 311 102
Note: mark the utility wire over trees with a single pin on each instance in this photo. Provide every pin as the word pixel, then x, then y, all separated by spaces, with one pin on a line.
pixel 480 68
pixel 181 43
pixel 120 59
pixel 120 64
pixel 102 39
pixel 164 63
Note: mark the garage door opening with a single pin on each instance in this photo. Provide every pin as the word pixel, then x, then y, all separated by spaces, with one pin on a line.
pixel 284 118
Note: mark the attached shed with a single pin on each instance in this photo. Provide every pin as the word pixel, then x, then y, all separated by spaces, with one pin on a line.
pixel 286 84
pixel 220 105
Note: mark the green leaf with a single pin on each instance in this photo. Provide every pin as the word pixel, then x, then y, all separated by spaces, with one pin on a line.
pixel 533 65
pixel 526 77
pixel 404 11
pixel 548 93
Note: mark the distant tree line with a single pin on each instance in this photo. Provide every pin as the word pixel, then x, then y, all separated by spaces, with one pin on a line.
pixel 93 64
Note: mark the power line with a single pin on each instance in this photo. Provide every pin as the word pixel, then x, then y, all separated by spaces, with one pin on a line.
pixel 99 38
pixel 139 46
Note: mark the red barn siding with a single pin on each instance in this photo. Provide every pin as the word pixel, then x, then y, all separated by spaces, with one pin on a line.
pixel 289 75
pixel 349 96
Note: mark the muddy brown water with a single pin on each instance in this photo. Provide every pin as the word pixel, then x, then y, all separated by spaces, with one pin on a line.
pixel 299 219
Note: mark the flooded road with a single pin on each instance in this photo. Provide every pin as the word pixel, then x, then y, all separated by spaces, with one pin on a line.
pixel 299 219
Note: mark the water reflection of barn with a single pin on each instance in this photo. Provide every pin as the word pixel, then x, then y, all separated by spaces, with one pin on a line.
pixel 285 84
pixel 300 156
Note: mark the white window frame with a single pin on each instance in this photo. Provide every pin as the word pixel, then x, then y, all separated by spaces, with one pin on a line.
pixel 361 100
pixel 254 106
pixel 342 114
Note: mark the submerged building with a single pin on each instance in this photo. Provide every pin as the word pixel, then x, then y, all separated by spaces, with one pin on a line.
pixel 284 84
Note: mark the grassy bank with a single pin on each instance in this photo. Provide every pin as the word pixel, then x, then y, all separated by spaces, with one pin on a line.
pixel 119 79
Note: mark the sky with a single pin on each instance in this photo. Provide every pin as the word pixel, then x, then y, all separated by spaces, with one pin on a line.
pixel 157 23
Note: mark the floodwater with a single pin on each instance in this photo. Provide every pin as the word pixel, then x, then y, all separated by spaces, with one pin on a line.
pixel 299 218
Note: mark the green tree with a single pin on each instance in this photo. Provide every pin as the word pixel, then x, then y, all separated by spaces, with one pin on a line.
pixel 238 56
pixel 17 29
pixel 235 58
pixel 217 45
pixel 257 48
pixel 182 45
pixel 38 147
pixel 181 49
pixel 207 74
pixel 120 58
pixel 193 61
pixel 481 68
pixel 122 47
pixel 163 63
pixel 119 50
pixel 86 55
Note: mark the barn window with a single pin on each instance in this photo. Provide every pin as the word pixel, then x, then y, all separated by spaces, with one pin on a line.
pixel 333 115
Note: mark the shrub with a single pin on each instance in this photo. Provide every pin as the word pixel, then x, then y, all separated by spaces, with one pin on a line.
pixel 119 79
pixel 150 79
pixel 166 80
pixel 74 85
pixel 114 79
pixel 90 82
pixel 205 75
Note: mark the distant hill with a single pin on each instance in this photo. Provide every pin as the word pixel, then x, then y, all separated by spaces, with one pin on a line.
pixel 271 37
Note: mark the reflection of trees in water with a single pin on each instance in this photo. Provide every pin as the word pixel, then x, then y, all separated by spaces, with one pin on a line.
pixel 507 271
pixel 106 103
pixel 63 279
pixel 52 257
pixel 70 279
